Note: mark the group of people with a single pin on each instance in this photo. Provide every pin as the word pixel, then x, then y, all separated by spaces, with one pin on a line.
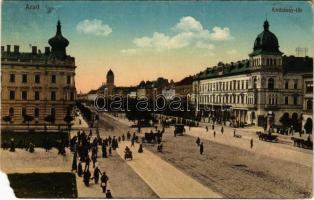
pixel 82 145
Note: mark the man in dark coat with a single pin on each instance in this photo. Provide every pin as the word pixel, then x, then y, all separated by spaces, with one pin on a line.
pixel 97 172
pixel 104 150
pixel 86 177
pixel 74 163
pixel 201 148
pixel 12 145
pixel 104 179
pixel 198 141
pixel 87 161
pixel 80 169
pixel 140 150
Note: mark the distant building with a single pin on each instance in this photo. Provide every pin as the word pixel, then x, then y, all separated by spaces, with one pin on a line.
pixel 259 90
pixel 150 88
pixel 183 87
pixel 37 84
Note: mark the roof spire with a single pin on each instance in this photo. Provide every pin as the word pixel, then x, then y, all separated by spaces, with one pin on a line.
pixel 58 28
pixel 266 25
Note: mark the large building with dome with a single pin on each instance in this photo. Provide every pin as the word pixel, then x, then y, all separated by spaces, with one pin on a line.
pixel 258 90
pixel 37 87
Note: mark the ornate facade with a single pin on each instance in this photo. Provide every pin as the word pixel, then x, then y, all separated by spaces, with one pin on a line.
pixel 258 90
pixel 38 85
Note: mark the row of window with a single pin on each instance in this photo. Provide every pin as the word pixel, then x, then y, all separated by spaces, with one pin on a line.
pixel 24 95
pixel 234 99
pixel 224 86
pixel 234 85
pixel 266 61
pixel 24 78
pixel 295 84
pixel 295 100
pixel 241 99
pixel 36 112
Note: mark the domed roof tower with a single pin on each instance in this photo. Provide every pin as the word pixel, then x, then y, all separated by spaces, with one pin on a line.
pixel 110 77
pixel 266 42
pixel 58 44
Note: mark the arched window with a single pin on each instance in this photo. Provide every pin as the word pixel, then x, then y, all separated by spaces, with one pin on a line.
pixel 309 105
pixel 254 83
pixel 271 83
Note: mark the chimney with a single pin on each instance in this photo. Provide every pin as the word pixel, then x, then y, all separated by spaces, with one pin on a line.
pixel 8 48
pixel 34 50
pixel 47 51
pixel 2 49
pixel 16 49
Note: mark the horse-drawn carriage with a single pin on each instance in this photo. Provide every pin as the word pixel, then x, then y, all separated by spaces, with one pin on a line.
pixel 268 137
pixel 152 137
pixel 179 129
pixel 307 144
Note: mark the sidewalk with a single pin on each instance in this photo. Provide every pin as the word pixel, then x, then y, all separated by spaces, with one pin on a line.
pixel 77 125
pixel 274 150
pixel 166 180
pixel 22 161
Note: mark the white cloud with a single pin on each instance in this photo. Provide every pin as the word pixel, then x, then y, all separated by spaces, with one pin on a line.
pixel 189 33
pixel 203 45
pixel 188 24
pixel 221 33
pixel 232 52
pixel 93 27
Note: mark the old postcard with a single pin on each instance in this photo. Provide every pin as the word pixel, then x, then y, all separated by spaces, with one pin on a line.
pixel 156 99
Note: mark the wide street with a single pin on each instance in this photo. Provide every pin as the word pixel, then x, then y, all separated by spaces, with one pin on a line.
pixel 228 167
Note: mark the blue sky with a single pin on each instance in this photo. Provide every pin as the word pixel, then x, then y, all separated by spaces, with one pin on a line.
pixel 133 38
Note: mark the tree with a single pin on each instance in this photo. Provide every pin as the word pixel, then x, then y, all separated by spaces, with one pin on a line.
pixel 28 119
pixel 50 119
pixel 7 119
pixel 285 120
pixel 308 126
pixel 68 119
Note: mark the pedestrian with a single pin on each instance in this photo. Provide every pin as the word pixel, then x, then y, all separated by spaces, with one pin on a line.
pixel 31 148
pixel 251 143
pixel 108 194
pixel 198 141
pixel 222 130
pixel 234 133
pixel 74 163
pixel 96 174
pixel 12 145
pixel 140 150
pixel 86 177
pixel 206 128
pixel 94 159
pixel 103 181
pixel 132 142
pixel 110 151
pixel 201 148
pixel 213 127
pixel 87 161
pixel 214 133
pixel 123 137
pixel 80 169
pixel 104 150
